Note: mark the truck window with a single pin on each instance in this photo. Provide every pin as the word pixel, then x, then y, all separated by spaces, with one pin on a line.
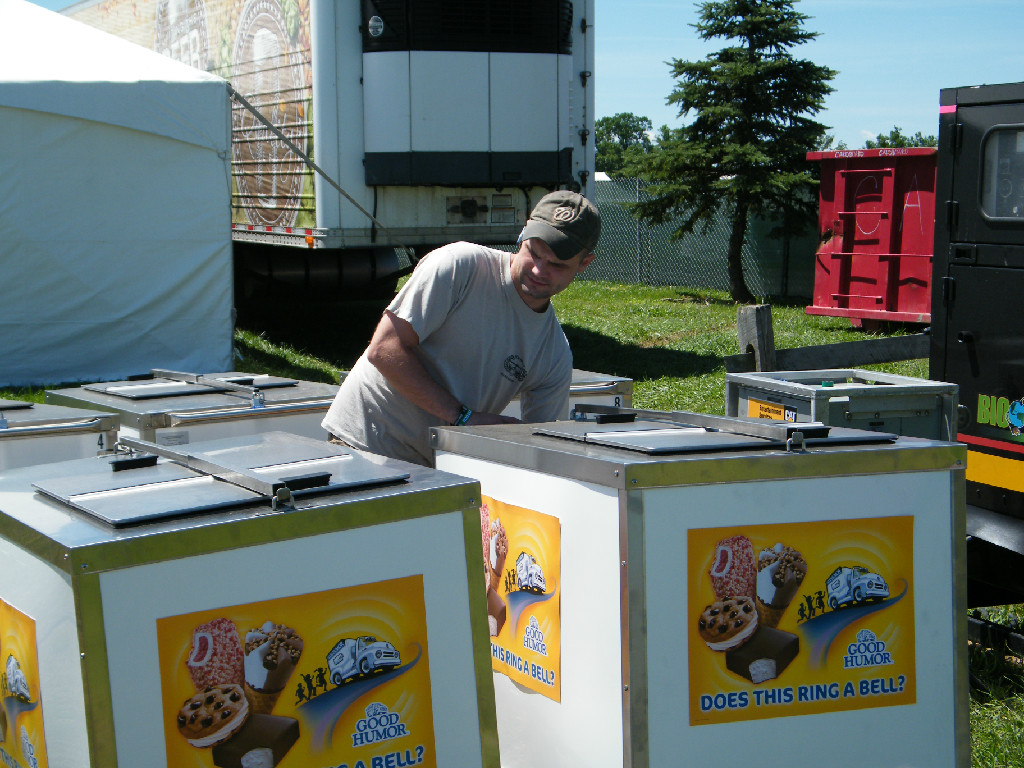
pixel 1002 182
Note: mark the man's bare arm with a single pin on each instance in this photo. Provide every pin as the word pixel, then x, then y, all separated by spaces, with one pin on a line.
pixel 392 351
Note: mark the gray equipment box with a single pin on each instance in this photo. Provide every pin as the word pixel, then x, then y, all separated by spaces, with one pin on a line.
pixel 855 398
pixel 131 585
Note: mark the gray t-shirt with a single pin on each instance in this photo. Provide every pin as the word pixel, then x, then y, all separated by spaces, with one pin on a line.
pixel 477 339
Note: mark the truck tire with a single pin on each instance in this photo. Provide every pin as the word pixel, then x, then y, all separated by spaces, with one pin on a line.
pixel 858 595
pixel 364 666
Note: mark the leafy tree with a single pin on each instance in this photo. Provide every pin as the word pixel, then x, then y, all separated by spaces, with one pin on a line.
pixel 618 137
pixel 752 103
pixel 826 142
pixel 897 139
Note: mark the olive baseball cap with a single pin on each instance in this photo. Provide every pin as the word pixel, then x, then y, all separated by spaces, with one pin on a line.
pixel 566 221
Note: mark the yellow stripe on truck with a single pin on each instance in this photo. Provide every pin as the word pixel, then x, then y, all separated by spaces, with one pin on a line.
pixel 995 470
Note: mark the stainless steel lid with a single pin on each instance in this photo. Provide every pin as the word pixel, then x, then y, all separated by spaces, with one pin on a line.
pixel 20 418
pixel 153 482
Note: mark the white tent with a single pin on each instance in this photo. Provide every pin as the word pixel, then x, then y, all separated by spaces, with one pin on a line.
pixel 115 237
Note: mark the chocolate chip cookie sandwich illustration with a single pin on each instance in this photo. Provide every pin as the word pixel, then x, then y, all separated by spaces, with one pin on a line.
pixel 213 715
pixel 728 623
pixel 271 653
pixel 780 572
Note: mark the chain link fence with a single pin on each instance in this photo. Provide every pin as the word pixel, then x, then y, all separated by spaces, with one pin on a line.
pixel 634 252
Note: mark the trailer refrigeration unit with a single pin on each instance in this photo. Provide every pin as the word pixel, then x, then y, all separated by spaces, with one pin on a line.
pixel 977 328
pixel 427 121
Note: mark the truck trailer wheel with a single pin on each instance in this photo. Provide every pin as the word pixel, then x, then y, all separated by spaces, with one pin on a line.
pixel 265 272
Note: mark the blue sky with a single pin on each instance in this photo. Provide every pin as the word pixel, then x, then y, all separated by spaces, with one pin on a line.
pixel 893 56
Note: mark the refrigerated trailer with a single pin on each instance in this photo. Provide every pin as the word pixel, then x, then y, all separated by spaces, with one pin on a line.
pixel 426 121
pixel 977 338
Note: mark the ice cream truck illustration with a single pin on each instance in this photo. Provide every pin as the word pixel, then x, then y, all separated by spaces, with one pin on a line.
pixel 353 656
pixel 529 574
pixel 854 584
pixel 17 685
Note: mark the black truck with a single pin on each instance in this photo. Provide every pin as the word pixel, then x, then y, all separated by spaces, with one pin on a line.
pixel 977 334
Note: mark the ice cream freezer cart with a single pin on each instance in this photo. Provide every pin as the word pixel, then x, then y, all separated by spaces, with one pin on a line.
pixel 38 433
pixel 664 589
pixel 591 388
pixel 257 601
pixel 176 407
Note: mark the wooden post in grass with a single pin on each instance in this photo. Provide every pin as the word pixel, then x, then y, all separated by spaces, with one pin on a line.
pixel 758 353
pixel 754 327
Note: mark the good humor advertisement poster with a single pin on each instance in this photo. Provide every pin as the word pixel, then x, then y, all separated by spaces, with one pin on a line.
pixel 522 570
pixel 334 679
pixel 22 743
pixel 800 618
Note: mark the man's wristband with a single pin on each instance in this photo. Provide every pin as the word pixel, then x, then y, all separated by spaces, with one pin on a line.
pixel 463 418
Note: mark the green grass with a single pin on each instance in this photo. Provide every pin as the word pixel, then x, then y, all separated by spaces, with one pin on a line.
pixel 671 342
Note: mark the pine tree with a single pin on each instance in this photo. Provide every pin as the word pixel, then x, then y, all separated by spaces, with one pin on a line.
pixel 752 104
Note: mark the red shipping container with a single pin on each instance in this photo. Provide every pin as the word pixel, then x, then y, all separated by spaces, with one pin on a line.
pixel 876 222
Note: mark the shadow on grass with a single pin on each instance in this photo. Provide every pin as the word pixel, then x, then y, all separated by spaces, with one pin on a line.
pixel 335 332
pixel 338 333
pixel 602 354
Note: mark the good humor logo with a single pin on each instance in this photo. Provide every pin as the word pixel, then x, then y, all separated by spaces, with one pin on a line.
pixel 533 638
pixel 868 651
pixel 378 725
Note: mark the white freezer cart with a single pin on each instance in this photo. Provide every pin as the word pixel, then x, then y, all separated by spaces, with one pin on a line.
pixel 39 433
pixel 711 584
pixel 176 408
pixel 256 601
pixel 590 388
